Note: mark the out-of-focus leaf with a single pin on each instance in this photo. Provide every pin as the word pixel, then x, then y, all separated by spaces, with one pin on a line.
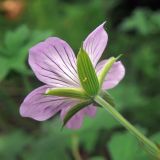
pixel 135 99
pixel 12 145
pixel 15 39
pixel 146 54
pixel 49 146
pixel 15 49
pixel 143 20
pixel 156 138
pixel 97 158
pixel 125 146
pixel 38 36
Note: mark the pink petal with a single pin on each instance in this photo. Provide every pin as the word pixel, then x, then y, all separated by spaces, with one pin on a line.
pixel 95 43
pixel 114 76
pixel 76 121
pixel 54 63
pixel 40 107
pixel 90 110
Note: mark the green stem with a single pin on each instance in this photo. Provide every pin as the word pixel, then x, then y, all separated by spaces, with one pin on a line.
pixel 149 145
pixel 75 148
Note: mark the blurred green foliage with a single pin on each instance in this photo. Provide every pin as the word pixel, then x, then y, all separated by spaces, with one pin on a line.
pixel 14 49
pixel 133 31
pixel 143 21
pixel 129 150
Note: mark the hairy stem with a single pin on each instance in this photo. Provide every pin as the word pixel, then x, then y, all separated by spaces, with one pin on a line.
pixel 149 145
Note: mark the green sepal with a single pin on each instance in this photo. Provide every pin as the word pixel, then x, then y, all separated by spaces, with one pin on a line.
pixel 118 57
pixel 87 74
pixel 107 97
pixel 74 110
pixel 105 70
pixel 68 92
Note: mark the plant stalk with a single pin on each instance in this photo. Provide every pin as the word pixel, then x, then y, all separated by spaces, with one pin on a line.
pixel 149 145
pixel 75 148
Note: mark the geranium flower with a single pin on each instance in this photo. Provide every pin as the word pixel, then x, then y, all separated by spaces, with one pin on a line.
pixel 54 63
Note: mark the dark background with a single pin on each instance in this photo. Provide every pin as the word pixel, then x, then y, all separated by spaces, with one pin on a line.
pixel 134 30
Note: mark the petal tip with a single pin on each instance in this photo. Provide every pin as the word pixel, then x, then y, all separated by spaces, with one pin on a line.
pixel 96 42
pixel 103 24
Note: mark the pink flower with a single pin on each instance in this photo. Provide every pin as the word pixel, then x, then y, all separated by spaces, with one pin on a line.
pixel 54 63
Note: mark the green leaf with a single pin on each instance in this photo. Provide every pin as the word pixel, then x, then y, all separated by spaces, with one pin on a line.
pixel 87 74
pixel 15 39
pixel 124 146
pixel 67 92
pixel 74 110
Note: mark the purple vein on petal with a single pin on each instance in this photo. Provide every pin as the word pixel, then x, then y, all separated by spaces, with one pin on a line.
pixel 71 63
pixel 95 48
pixel 41 107
pixel 61 78
pixel 65 63
pixel 59 67
pixel 64 51
pixel 51 109
pixel 52 78
pixel 55 79
pixel 52 100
